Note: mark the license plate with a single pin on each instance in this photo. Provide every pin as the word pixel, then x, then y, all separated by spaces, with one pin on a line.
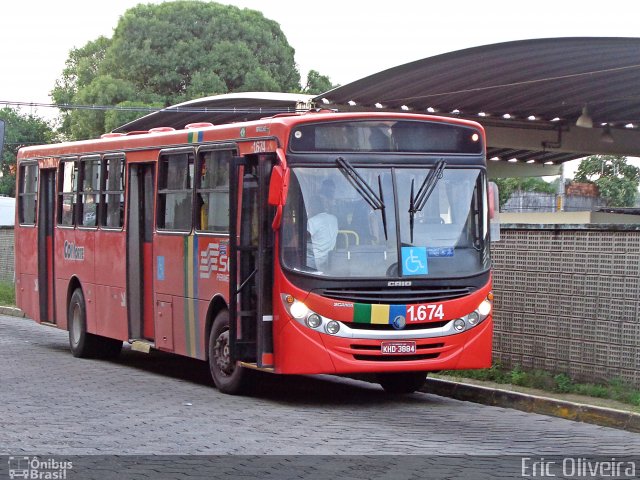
pixel 398 348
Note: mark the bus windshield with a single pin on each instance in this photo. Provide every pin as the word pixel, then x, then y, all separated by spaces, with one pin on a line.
pixel 386 222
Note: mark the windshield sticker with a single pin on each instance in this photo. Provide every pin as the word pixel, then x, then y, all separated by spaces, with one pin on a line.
pixel 440 252
pixel 414 261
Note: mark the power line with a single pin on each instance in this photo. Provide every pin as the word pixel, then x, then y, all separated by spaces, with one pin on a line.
pixel 174 109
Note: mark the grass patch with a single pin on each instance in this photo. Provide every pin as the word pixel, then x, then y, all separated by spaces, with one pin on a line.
pixel 616 389
pixel 7 294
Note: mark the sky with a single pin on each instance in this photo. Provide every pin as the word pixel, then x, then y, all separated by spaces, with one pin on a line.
pixel 343 39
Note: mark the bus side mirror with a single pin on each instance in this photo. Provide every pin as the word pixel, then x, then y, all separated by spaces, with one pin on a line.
pixel 494 211
pixel 494 200
pixel 278 189
pixel 278 186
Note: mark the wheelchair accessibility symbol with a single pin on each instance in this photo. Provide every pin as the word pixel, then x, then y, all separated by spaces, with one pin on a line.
pixel 414 261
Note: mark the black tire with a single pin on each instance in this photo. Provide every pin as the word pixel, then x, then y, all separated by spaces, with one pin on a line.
pixel 228 378
pixel 82 343
pixel 404 382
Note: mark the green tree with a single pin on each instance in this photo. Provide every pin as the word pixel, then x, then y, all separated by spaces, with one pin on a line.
pixel 508 186
pixel 20 130
pixel 616 180
pixel 172 52
pixel 317 83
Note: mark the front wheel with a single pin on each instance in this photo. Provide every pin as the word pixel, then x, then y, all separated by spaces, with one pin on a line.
pixel 82 343
pixel 404 382
pixel 229 377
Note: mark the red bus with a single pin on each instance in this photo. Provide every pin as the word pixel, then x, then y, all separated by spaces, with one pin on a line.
pixel 323 242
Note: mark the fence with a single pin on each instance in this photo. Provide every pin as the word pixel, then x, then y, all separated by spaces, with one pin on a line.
pixel 568 300
pixel 6 254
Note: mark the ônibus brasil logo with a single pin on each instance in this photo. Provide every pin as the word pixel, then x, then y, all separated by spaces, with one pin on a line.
pixel 36 468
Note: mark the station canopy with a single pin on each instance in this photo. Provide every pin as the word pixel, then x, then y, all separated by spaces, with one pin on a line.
pixel 542 102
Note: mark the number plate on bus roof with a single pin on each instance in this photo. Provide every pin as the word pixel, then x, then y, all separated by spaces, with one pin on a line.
pixel 398 348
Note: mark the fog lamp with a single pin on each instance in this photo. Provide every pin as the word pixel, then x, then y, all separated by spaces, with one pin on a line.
pixel 313 320
pixel 332 327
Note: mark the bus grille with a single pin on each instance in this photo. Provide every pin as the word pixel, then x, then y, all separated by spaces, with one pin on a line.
pixel 396 296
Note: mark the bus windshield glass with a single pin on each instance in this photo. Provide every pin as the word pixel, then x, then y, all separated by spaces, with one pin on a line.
pixel 386 222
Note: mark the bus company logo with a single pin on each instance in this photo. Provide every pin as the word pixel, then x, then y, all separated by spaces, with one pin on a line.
pixel 73 252
pixel 399 322
pixel 214 259
pixel 399 284
pixel 36 468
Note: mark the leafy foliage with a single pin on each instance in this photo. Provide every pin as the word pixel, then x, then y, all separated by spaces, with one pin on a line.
pixel 163 54
pixel 317 83
pixel 508 186
pixel 615 178
pixel 20 130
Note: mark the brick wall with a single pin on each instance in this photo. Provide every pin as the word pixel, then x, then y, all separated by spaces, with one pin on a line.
pixel 568 301
pixel 6 254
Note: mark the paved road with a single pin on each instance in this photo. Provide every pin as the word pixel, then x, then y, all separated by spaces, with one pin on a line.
pixel 54 404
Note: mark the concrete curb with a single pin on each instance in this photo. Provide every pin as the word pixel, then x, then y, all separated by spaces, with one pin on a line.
pixel 12 311
pixel 606 417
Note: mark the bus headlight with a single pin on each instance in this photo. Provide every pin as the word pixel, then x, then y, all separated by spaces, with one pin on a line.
pixel 473 318
pixel 332 327
pixel 307 317
pixel 314 320
pixel 298 310
pixel 484 309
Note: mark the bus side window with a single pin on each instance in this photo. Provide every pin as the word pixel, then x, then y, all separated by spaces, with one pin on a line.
pixel 67 192
pixel 28 194
pixel 175 191
pixel 112 202
pixel 88 194
pixel 212 214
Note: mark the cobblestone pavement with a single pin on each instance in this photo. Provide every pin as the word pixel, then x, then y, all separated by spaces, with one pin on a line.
pixel 54 404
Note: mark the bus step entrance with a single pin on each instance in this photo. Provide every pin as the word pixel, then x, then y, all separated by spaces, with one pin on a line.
pixel 141 346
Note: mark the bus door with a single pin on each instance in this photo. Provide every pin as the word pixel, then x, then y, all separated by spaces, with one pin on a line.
pixel 139 251
pixel 251 267
pixel 46 216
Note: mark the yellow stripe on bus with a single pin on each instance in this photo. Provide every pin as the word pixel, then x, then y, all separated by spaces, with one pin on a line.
pixel 380 314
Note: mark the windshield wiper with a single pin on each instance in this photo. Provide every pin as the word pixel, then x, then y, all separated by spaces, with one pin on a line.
pixel 417 202
pixel 375 201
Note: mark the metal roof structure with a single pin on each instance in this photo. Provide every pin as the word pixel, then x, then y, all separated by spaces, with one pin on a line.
pixel 527 94
pixel 221 109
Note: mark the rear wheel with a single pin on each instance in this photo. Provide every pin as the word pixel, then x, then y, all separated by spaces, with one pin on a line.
pixel 229 377
pixel 82 343
pixel 404 382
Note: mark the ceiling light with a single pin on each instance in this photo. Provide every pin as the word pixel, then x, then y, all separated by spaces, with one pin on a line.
pixel 584 120
pixel 512 160
pixel 431 110
pixel 506 116
pixel 531 117
pixel 531 161
pixel 352 103
pixel 548 163
pixel 494 159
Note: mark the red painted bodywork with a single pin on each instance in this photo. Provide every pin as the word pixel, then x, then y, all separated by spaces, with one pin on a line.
pixel 177 314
